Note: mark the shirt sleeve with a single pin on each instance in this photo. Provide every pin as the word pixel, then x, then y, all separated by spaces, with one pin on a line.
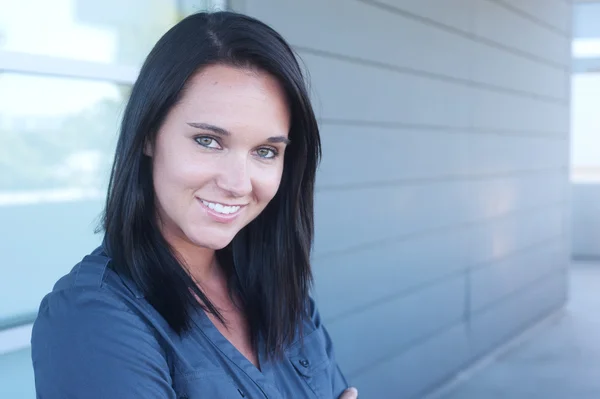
pixel 338 381
pixel 87 344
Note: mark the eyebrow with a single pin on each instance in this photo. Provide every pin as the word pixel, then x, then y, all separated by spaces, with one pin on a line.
pixel 222 132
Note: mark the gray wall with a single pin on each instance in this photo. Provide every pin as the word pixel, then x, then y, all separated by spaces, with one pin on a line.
pixel 442 198
pixel 586 220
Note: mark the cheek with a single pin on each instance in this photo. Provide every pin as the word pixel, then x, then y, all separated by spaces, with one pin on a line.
pixel 182 170
pixel 165 189
pixel 166 178
pixel 175 181
pixel 267 184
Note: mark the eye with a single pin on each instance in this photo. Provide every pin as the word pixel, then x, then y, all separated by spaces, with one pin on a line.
pixel 207 141
pixel 266 152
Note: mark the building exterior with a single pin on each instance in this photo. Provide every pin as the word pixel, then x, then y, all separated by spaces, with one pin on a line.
pixel 443 202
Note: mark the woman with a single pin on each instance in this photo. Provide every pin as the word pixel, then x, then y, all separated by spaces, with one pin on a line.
pixel 200 288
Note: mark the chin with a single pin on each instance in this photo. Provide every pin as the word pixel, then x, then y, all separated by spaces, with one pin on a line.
pixel 211 241
pixel 216 245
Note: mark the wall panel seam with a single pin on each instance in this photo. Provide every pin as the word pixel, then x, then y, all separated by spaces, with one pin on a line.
pixel 427 232
pixel 432 75
pixel 471 36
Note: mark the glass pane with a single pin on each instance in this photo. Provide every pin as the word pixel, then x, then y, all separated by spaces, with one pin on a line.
pixel 16 375
pixel 585 20
pixel 586 30
pixel 57 139
pixel 106 31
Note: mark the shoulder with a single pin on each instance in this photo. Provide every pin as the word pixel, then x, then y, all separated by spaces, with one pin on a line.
pixel 311 324
pixel 93 331
pixel 90 298
pixel 314 315
pixel 94 273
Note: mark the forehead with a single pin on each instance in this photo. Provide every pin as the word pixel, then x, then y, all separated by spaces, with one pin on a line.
pixel 229 95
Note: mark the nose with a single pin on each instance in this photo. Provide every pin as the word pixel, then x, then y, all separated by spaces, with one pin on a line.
pixel 234 177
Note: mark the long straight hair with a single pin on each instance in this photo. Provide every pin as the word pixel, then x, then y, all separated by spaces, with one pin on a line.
pixel 268 261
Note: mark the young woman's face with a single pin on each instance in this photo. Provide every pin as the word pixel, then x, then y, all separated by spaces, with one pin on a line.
pixel 218 157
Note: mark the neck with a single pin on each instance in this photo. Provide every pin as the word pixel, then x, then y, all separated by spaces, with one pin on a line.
pixel 200 262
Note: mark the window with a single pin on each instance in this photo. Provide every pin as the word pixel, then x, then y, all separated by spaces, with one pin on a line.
pixel 585 92
pixel 66 68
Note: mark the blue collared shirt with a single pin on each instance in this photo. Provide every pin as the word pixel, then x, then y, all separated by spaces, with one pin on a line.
pixel 97 337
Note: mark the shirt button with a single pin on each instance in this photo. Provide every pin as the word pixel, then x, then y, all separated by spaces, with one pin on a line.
pixel 304 363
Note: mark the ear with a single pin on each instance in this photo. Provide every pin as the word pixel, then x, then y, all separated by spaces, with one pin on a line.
pixel 148 150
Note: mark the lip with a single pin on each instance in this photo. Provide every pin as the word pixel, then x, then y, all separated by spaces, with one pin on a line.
pixel 220 217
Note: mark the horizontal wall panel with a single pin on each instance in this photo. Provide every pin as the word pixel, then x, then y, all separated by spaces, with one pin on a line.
pixel 382 271
pixel 495 66
pixel 392 211
pixel 498 238
pixel 382 329
pixel 496 281
pixel 501 322
pixel 368 93
pixel 501 25
pixel 554 13
pixel 388 154
pixel 361 30
pixel 386 212
pixel 415 371
pixel 495 197
pixel 501 111
pixel 489 153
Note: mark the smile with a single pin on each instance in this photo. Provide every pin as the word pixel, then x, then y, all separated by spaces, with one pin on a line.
pixel 221 208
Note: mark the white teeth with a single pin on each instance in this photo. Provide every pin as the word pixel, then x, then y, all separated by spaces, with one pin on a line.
pixel 224 209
